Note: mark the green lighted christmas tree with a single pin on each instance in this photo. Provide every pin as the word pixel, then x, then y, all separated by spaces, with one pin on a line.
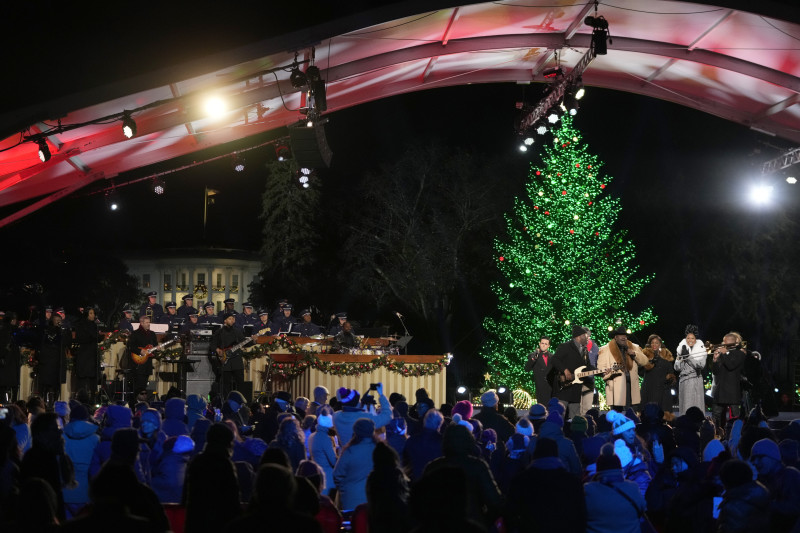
pixel 562 261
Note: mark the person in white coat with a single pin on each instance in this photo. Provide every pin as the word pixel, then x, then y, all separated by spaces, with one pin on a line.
pixel 690 360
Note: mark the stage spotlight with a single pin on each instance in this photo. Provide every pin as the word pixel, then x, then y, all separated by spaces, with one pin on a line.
pixel 298 77
pixel 553 72
pixel 552 117
pixel 159 186
pixel 283 152
pixel 570 104
pixel 541 127
pixel 528 141
pixel 462 393
pixel 761 194
pixel 128 126
pixel 504 393
pixel 238 163
pixel 215 107
pixel 523 148
pixel 599 34
pixel 580 90
pixel 44 150
pixel 112 201
pixel 304 177
pixel 313 74
pixel 791 180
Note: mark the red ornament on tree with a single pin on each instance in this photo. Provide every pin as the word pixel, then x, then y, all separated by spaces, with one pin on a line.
pixel 502 258
pixel 547 212
pixel 538 173
pixel 572 231
pixel 603 186
pixel 577 165
pixel 558 173
pixel 590 202
pixel 551 242
pixel 641 322
pixel 597 233
pixel 563 193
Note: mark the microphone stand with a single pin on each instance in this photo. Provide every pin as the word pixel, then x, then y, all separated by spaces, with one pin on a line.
pixel 406 334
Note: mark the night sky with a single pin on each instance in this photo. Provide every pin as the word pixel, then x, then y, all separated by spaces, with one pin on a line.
pixel 675 169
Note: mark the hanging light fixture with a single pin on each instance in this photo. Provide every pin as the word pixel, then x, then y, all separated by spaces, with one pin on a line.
pixel 128 126
pixel 44 150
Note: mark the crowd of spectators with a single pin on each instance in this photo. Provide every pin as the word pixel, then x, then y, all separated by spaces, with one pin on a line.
pixel 368 462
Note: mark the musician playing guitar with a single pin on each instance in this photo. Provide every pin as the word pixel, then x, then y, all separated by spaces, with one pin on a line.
pixel 232 375
pixel 569 356
pixel 137 344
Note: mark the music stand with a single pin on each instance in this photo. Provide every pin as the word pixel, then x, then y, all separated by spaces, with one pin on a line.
pixel 403 341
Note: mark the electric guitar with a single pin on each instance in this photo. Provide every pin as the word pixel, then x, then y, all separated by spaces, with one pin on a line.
pixel 147 352
pixel 579 374
pixel 224 356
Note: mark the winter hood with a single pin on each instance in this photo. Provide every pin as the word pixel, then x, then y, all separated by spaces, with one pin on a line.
pixel 79 429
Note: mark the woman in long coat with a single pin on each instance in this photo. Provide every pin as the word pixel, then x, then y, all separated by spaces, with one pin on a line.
pixel 87 360
pixel 659 375
pixel 52 368
pixel 690 361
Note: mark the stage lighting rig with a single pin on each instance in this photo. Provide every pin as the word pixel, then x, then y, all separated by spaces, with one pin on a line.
pixel 44 150
pixel 600 35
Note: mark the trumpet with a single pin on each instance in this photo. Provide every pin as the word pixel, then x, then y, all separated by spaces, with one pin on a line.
pixel 728 345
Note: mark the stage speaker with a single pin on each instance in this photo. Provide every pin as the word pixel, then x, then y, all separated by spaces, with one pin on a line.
pixel 309 145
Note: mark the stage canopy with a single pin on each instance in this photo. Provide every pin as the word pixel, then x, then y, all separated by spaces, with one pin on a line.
pixel 741 65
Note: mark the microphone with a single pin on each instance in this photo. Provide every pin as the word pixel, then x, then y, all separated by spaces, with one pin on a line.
pixel 398 315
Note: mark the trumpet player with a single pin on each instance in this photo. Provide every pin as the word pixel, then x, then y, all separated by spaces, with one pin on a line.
pixel 727 368
pixel 689 364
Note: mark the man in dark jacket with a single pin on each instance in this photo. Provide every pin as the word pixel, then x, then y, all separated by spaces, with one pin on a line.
pixel 727 369
pixel 783 483
pixel 222 341
pixel 212 487
pixel 569 356
pixel 138 344
pixel 492 419
pixel 541 363
pixel 425 446
pixel 545 477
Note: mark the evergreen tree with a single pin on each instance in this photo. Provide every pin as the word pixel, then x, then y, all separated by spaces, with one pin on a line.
pixel 290 238
pixel 563 261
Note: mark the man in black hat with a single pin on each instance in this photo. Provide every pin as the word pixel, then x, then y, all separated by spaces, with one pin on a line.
pixel 222 341
pixel 286 321
pixel 263 326
pixel 247 317
pixel 229 306
pixel 126 322
pixel 569 356
pixel 150 308
pixel 188 306
pixel 340 318
pixel 307 328
pixel 622 385
pixel 209 317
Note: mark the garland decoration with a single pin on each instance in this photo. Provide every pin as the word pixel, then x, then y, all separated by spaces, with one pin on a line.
pixel 115 337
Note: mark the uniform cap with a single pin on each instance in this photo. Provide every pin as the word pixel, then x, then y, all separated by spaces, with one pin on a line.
pixel 171 304
pixel 229 301
pixel 187 297
pixel 152 294
pixel 262 312
pixel 208 304
pixel 247 304
pixel 305 312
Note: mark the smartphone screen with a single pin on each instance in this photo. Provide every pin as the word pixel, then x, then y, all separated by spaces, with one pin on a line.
pixel 717 502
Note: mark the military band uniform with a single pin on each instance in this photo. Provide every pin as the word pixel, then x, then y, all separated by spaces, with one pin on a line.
pixel 185 310
pixel 243 319
pixel 209 319
pixel 264 328
pixel 307 329
pixel 125 324
pixel 154 311
pixel 233 369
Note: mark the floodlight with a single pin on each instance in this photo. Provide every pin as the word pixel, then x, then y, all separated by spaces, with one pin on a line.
pixel 44 151
pixel 128 126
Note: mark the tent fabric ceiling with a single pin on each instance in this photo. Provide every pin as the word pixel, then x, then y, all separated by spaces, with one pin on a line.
pixel 738 65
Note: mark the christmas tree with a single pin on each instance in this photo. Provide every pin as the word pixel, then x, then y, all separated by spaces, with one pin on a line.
pixel 562 260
